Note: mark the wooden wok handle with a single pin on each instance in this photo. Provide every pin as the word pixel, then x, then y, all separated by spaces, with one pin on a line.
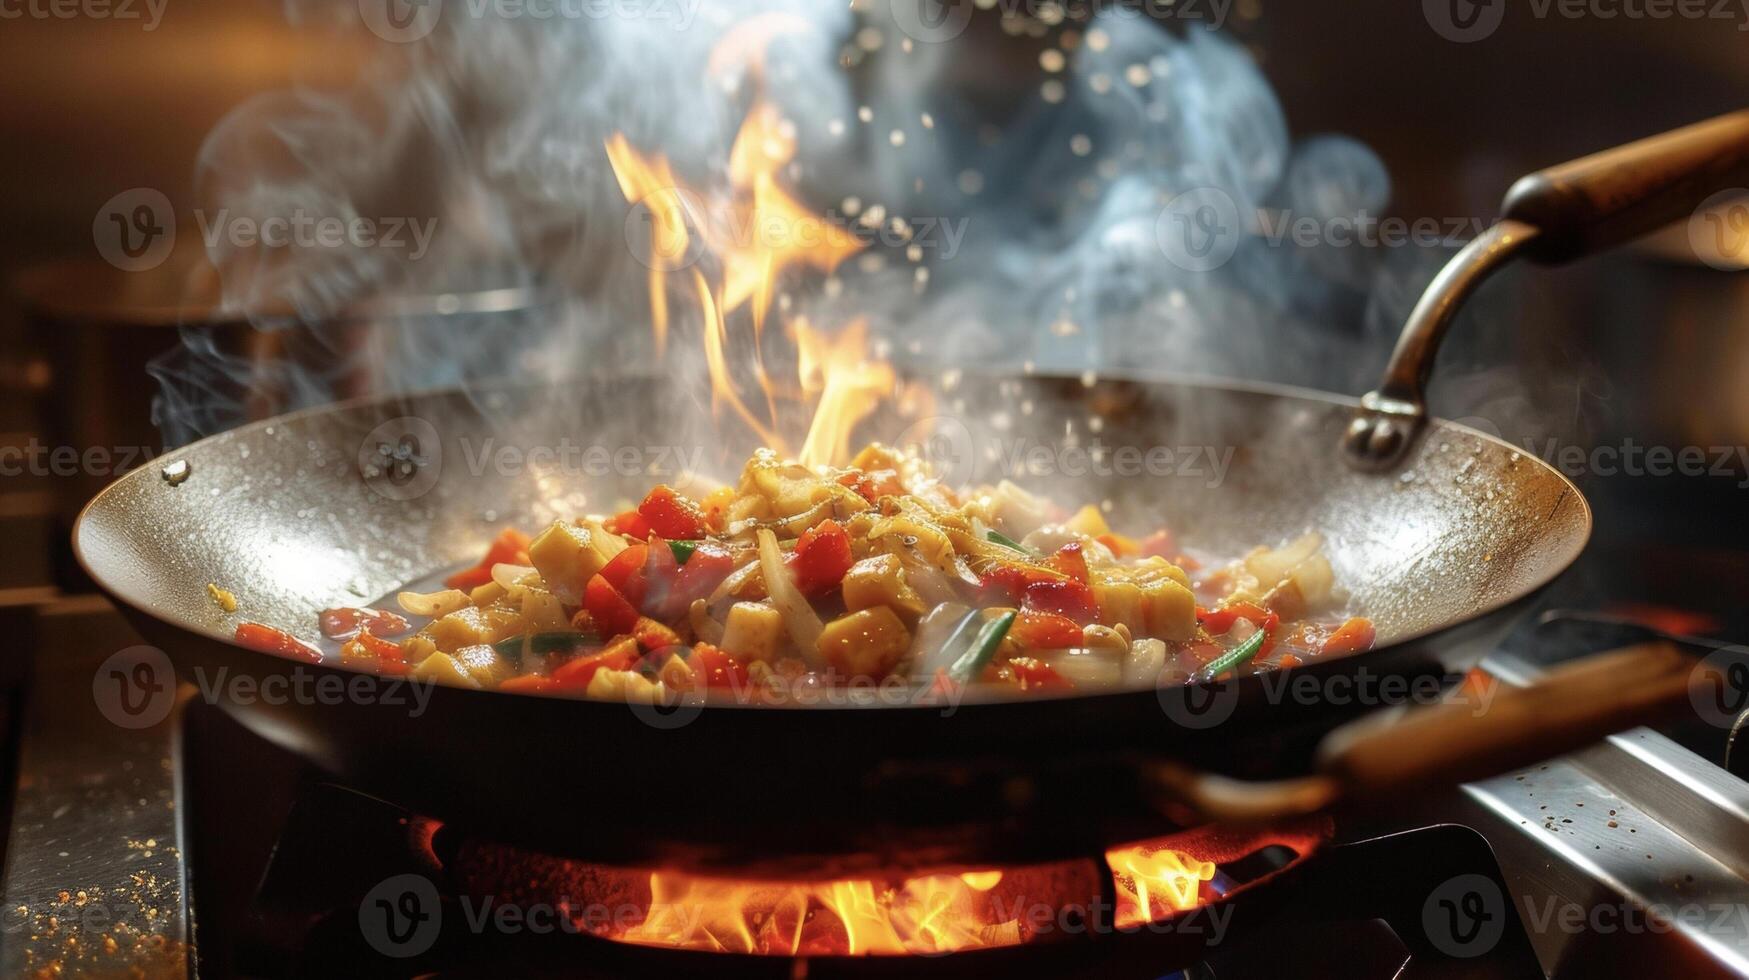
pixel 1606 199
pixel 1555 215
pixel 1382 755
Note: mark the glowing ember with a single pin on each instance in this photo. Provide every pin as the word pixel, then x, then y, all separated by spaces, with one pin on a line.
pixel 1154 883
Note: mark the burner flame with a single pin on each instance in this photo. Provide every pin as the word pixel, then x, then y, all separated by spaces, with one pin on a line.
pixel 1154 883
pixel 934 913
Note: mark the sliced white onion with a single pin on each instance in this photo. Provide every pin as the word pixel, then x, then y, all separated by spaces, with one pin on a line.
pixel 1143 664
pixel 703 626
pixel 1087 668
pixel 510 576
pixel 799 619
pixel 433 604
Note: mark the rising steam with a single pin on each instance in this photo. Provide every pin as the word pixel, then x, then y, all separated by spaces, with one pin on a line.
pixel 1030 241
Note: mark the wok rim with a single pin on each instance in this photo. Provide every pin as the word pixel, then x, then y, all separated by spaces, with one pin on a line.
pixel 1571 490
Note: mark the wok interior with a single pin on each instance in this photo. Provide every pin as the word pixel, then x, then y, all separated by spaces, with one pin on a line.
pixel 280 514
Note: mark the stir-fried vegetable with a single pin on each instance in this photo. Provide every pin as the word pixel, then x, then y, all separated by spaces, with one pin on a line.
pixel 824 577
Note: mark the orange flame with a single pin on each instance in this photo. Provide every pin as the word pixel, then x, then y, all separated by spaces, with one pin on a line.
pixel 1155 882
pixel 760 233
pixel 933 913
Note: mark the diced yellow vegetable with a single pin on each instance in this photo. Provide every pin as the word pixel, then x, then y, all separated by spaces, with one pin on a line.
pixel 753 631
pixel 1168 611
pixel 484 664
pixel 417 648
pixel 1089 521
pixel 469 627
pixel 880 581
pixel 1154 568
pixel 542 612
pixel 440 668
pixel 485 595
pixel 1119 602
pixel 865 643
pixel 676 674
pixel 568 555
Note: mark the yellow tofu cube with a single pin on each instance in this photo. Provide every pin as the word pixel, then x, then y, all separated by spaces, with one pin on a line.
pixel 1119 602
pixel 567 556
pixel 880 581
pixel 441 669
pixel 484 664
pixel 1168 611
pixel 866 643
pixel 468 627
pixel 753 631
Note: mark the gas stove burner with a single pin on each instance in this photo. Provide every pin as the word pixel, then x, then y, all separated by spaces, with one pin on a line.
pixel 347 883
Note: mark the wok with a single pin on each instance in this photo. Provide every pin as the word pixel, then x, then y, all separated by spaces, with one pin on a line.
pixel 1439 533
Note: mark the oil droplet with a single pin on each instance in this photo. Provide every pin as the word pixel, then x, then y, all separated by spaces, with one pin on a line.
pixel 176 472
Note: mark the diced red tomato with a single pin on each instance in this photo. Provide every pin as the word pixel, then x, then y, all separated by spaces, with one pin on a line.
pixel 716 667
pixel 383 650
pixel 629 523
pixel 1045 631
pixel 345 622
pixel 1351 637
pixel 660 571
pixel 673 516
pixel 1006 582
pixel 821 558
pixel 510 547
pixel 608 608
pixel 529 684
pixel 873 485
pixel 1157 545
pixel 1065 597
pixel 1070 560
pixel 625 572
pixel 576 673
pixel 1034 676
pixel 1221 620
pixel 696 579
pixel 269 640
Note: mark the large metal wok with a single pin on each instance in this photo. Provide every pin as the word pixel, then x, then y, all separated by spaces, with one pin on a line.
pixel 1437 531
